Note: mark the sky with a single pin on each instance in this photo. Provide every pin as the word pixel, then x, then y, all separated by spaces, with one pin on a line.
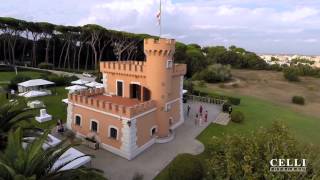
pixel 261 26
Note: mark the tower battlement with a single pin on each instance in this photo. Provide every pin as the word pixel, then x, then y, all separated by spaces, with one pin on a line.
pixel 159 47
pixel 160 41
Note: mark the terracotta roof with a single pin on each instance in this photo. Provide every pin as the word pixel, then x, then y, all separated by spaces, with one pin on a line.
pixel 119 100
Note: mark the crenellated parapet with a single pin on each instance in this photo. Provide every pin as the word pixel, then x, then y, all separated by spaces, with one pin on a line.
pixel 136 68
pixel 159 47
pixel 88 99
pixel 142 107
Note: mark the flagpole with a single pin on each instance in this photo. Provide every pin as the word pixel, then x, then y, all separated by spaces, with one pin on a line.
pixel 160 23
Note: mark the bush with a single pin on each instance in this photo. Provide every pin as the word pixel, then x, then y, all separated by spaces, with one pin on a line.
pixel 298 100
pixel 60 80
pixel 16 80
pixel 137 176
pixel 186 167
pixel 214 73
pixel 237 116
pixel 226 106
pixel 291 74
pixel 234 100
pixel 202 83
pixel 188 85
pixel 44 65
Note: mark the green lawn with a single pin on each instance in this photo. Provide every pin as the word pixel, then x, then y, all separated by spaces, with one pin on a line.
pixel 53 103
pixel 8 75
pixel 260 113
pixel 54 106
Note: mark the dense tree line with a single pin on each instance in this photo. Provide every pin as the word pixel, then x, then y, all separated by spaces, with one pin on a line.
pixel 198 59
pixel 76 48
pixel 65 47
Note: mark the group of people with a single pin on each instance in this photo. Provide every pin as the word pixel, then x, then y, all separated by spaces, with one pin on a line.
pixel 200 117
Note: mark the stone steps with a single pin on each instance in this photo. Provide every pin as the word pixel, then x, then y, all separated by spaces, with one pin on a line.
pixel 222 119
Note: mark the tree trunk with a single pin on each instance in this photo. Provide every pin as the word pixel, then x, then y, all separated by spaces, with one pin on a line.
pixel 47 50
pixel 74 58
pixel 54 53
pixel 79 56
pixel 66 56
pixel 60 59
pixel 34 56
pixel 87 59
pixel 4 50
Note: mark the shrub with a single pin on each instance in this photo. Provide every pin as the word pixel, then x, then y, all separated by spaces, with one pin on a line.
pixel 188 85
pixel 137 176
pixel 60 80
pixel 298 100
pixel 44 65
pixel 202 83
pixel 16 80
pixel 234 100
pixel 237 116
pixel 291 74
pixel 226 106
pixel 214 73
pixel 186 167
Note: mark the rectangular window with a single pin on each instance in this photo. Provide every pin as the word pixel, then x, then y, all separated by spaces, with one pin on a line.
pixel 169 64
pixel 119 88
pixel 78 120
pixel 168 107
pixel 94 126
pixel 113 133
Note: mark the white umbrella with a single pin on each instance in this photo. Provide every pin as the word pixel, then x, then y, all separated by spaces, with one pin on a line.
pixel 94 85
pixel 75 88
pixel 80 82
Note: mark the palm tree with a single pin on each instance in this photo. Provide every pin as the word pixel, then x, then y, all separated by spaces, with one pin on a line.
pixel 36 163
pixel 13 116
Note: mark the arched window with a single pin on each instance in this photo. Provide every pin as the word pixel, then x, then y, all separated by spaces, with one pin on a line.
pixel 153 131
pixel 113 133
pixel 78 120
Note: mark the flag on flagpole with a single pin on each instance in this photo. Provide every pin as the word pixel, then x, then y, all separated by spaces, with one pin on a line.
pixel 159 15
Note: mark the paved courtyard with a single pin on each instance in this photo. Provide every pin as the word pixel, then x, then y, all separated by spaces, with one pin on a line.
pixel 153 160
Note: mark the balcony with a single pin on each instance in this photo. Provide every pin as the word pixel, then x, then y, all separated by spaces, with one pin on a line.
pixel 179 69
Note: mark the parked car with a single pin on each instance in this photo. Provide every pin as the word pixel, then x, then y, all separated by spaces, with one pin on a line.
pixel 85 74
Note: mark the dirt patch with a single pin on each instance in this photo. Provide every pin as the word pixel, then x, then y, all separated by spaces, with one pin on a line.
pixel 272 86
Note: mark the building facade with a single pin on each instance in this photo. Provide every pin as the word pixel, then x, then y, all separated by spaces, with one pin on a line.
pixel 140 104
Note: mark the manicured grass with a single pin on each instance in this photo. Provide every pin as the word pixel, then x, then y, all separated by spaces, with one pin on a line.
pixel 53 103
pixel 54 106
pixel 6 76
pixel 259 113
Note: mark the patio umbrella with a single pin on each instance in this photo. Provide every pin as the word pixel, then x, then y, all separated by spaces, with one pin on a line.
pixel 75 88
pixel 94 85
pixel 80 82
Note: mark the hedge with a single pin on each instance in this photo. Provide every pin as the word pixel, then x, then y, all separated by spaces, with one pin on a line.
pixel 233 100
pixel 44 65
pixel 298 100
